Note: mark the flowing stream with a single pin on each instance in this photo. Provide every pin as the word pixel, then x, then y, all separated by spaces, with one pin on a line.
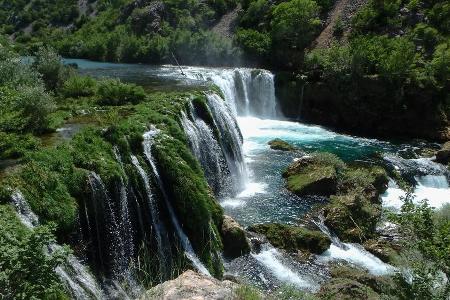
pixel 245 173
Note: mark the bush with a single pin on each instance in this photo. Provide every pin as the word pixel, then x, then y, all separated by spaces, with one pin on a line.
pixel 114 92
pixel 79 86
pixel 26 270
pixel 15 146
pixel 25 110
pixel 254 42
pixel 295 23
pixel 49 64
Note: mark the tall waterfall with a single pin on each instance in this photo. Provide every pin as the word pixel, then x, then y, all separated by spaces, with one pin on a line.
pixel 107 225
pixel 186 244
pixel 249 92
pixel 158 227
pixel 79 282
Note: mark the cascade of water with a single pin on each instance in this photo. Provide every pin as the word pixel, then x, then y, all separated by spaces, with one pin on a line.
pixel 110 231
pixel 185 243
pixel 79 282
pixel 352 253
pixel 207 150
pixel 270 258
pixel 230 140
pixel 124 212
pixel 249 92
pixel 158 227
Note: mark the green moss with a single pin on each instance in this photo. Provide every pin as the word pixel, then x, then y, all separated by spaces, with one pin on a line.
pixel 293 238
pixel 15 146
pixel 279 144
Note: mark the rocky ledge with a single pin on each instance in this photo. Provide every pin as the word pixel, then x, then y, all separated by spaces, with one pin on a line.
pixel 191 285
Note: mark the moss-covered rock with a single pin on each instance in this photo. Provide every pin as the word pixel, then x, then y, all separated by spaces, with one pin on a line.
pixel 352 217
pixel 292 238
pixel 382 249
pixel 443 155
pixel 235 242
pixel 309 176
pixel 279 144
pixel 351 283
pixel 347 289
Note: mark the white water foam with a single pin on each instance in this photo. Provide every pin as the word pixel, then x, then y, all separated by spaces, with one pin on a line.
pixel 356 255
pixel 269 259
pixel 433 188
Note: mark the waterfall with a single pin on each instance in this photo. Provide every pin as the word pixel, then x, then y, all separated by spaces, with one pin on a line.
pixel 75 276
pixel 354 254
pixel 107 226
pixel 124 212
pixel 230 140
pixel 158 227
pixel 185 243
pixel 207 150
pixel 249 92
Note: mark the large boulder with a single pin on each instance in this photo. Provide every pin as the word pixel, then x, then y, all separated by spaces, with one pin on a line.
pixel 352 217
pixel 234 240
pixel 311 176
pixel 292 238
pixel 191 285
pixel 443 155
pixel 279 144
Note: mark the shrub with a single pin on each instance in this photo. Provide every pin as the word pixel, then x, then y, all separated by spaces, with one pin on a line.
pixel 49 64
pixel 15 146
pixel 114 92
pixel 295 23
pixel 254 42
pixel 79 86
pixel 26 270
pixel 25 110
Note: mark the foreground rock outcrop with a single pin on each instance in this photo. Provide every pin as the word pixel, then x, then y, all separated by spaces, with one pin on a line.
pixel 191 285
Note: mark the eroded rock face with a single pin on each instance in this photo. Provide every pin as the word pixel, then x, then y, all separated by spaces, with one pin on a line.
pixel 234 239
pixel 191 285
pixel 292 238
pixel 443 155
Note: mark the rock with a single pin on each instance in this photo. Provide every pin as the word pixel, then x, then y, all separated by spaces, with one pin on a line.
pixel 381 249
pixel 191 285
pixel 292 238
pixel 346 289
pixel 349 281
pixel 278 144
pixel 234 240
pixel 352 217
pixel 307 176
pixel 443 155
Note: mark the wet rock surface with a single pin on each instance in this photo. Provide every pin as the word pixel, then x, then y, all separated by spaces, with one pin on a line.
pixel 234 239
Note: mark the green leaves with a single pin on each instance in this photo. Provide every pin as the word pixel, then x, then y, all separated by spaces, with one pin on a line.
pixel 26 266
pixel 296 22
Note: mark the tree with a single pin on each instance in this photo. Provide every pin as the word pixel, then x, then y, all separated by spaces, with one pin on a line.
pixel 295 23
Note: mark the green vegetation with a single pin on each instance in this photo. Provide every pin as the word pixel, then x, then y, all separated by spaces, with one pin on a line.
pixel 354 207
pixel 293 238
pixel 26 271
pixel 53 176
pixel 425 248
pixel 279 144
